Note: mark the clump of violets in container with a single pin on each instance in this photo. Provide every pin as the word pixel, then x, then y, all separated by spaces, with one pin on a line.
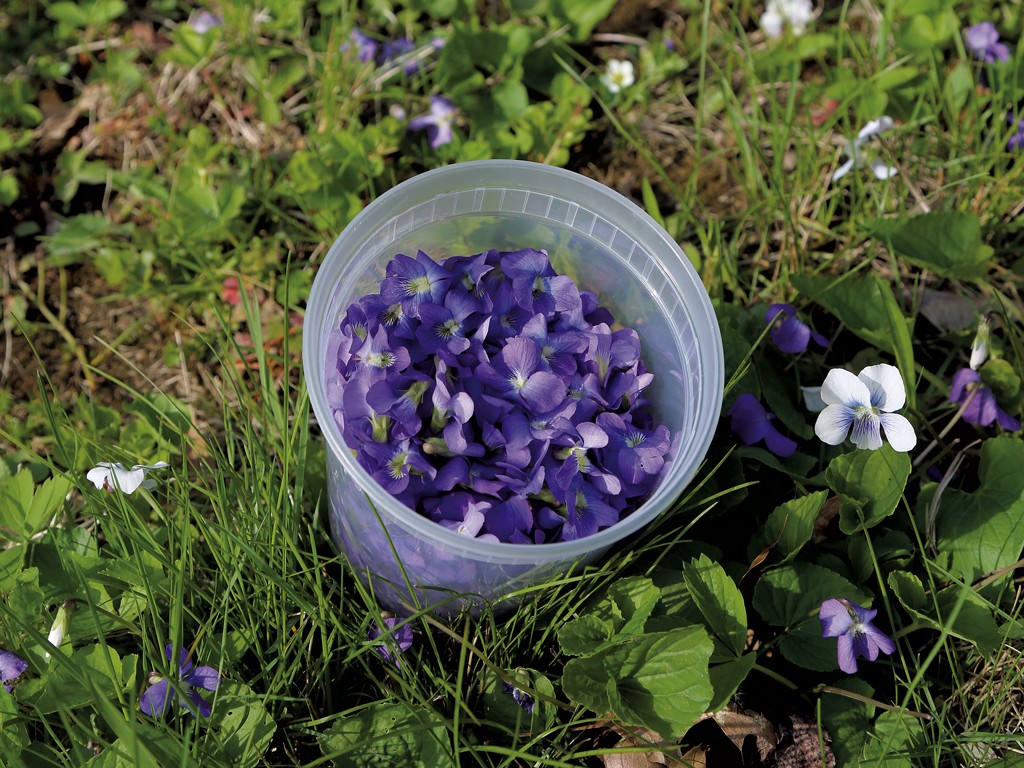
pixel 495 397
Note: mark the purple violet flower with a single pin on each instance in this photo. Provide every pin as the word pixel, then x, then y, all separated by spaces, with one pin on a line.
pixel 394 640
pixel 751 423
pixel 857 635
pixel 982 409
pixel 12 666
pixel 410 281
pixel 366 47
pixel 524 700
pixel 638 454
pixel 983 43
pixel 399 49
pixel 515 374
pixel 536 286
pixel 1016 141
pixel 157 698
pixel 437 122
pixel 392 464
pixel 204 21
pixel 586 511
pixel 791 334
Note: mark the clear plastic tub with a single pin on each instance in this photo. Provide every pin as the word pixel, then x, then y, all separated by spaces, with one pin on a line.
pixel 601 240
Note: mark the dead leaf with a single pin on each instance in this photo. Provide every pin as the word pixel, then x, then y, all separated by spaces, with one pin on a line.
pixel 828 511
pixel 696 757
pixel 739 726
pixel 949 311
pixel 800 747
pixel 636 737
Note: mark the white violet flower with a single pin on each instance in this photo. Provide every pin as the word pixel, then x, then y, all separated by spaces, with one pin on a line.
pixel 778 13
pixel 862 406
pixel 857 158
pixel 619 75
pixel 979 347
pixel 110 477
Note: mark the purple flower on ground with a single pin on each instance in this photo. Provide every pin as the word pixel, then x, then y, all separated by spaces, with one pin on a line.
pixel 751 423
pixel 395 640
pixel 397 49
pixel 982 408
pixel 524 700
pixel 857 635
pixel 12 666
pixel 156 700
pixel 366 47
pixel 204 21
pixel 983 43
pixel 437 122
pixel 791 334
pixel 1016 141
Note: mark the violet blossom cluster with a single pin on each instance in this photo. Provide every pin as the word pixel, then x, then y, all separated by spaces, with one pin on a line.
pixel 495 397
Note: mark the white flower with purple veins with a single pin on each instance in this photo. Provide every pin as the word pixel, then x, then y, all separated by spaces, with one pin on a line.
pixel 437 122
pixel 619 75
pixel 857 156
pixel 862 407
pixel 797 14
pixel 111 477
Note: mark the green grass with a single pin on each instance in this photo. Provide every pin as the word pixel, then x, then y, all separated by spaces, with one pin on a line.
pixel 245 152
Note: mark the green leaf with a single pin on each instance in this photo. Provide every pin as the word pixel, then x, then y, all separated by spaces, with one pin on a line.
pixel 870 484
pixel 983 531
pixel 582 15
pixel 623 612
pixel 857 302
pixel 242 725
pixel 658 681
pixel 894 742
pixel 958 87
pixel 848 720
pixel 791 524
pixel 12 560
pixel 945 242
pixel 901 329
pixel 719 601
pixel 973 620
pixel 387 733
pixel 726 679
pixel 790 597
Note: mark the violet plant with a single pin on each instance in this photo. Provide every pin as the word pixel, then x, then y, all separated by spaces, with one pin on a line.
pixel 492 395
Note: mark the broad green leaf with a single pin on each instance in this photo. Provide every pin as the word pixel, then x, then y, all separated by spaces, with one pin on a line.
pixel 582 15
pixel 791 524
pixel 894 742
pixel 12 560
pixel 870 484
pixel 46 500
pixel 856 301
pixel 242 725
pixel 719 601
pixel 945 242
pixel 984 530
pixel 726 679
pixel 387 733
pixel 623 612
pixel 848 720
pixel 75 682
pixel 974 621
pixel 958 87
pixel 790 597
pixel 659 681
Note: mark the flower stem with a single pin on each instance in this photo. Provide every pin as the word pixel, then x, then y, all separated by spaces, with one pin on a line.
pixel 869 700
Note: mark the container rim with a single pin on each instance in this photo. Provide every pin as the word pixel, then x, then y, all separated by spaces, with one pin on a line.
pixel 525 176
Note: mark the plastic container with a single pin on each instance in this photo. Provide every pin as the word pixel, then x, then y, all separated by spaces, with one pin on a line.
pixel 601 240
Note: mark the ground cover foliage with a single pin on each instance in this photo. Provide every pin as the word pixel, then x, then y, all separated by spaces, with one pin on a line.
pixel 171 176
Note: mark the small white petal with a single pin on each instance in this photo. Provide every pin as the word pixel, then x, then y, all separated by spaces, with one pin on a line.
pixel 771 23
pixel 843 169
pixel 898 431
pixel 881 170
pixel 874 128
pixel 867 432
pixel 812 399
pixel 886 386
pixel 843 388
pixel 833 424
